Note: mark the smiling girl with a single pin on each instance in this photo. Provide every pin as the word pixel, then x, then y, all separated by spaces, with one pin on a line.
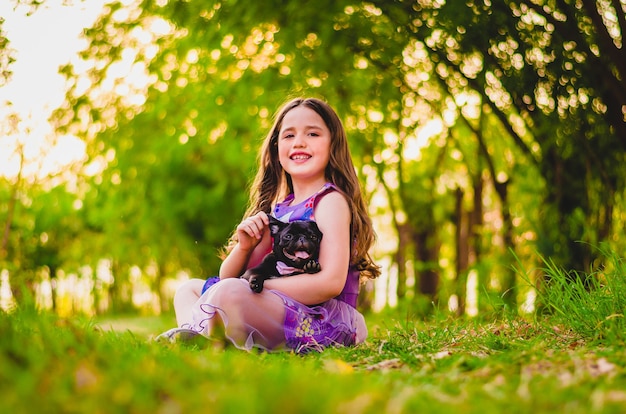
pixel 306 163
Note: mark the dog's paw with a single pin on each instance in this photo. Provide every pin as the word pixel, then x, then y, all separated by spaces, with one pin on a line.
pixel 312 266
pixel 256 284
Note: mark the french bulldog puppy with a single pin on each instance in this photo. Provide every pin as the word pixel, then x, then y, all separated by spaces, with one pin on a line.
pixel 295 251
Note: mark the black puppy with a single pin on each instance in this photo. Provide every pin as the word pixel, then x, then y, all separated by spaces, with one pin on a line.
pixel 295 251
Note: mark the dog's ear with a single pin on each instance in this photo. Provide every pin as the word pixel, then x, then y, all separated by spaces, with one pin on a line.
pixel 276 225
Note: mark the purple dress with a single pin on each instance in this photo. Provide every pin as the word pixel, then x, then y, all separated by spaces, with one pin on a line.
pixel 272 320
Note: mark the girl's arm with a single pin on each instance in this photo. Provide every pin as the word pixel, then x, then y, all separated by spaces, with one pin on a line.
pixel 332 215
pixel 252 245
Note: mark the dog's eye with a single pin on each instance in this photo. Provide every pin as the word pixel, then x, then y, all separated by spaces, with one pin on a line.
pixel 288 236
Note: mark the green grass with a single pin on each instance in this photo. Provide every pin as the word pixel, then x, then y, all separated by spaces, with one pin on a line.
pixel 571 359
pixel 593 305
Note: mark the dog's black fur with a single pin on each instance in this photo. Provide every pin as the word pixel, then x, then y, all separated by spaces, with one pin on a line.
pixel 296 244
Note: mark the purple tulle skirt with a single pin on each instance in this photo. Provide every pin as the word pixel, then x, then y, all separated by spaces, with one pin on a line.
pixel 271 320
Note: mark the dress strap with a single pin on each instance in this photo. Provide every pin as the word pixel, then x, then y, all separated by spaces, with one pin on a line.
pixel 315 198
pixel 302 211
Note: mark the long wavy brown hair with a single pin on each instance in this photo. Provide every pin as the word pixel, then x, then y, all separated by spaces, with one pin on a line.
pixel 272 182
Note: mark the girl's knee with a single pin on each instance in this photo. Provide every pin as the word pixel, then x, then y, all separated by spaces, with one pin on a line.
pixel 234 286
pixel 233 292
pixel 190 287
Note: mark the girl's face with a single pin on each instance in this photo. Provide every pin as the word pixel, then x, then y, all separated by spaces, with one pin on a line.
pixel 304 144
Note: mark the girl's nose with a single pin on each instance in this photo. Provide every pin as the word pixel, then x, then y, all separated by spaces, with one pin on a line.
pixel 298 140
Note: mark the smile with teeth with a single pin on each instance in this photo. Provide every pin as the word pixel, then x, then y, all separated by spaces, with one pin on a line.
pixel 300 157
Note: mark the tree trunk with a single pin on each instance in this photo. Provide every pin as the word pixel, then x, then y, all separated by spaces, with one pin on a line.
pixel 158 288
pixel 404 237
pixel 427 253
pixel 120 293
pixel 509 283
pixel 475 229
pixel 462 251
pixel 17 287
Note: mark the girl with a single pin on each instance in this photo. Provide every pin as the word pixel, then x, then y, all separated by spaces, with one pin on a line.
pixel 305 161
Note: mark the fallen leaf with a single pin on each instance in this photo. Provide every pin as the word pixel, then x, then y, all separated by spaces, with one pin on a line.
pixel 85 377
pixel 441 354
pixel 339 366
pixel 386 365
pixel 600 367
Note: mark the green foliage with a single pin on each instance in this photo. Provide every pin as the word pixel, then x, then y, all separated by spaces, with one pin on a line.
pixel 527 98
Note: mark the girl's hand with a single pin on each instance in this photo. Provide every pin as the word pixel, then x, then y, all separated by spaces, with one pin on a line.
pixel 250 231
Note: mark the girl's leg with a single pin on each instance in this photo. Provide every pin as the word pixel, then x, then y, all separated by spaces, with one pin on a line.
pixel 249 316
pixel 184 299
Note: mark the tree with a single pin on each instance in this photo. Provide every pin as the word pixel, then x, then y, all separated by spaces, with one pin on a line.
pixel 547 79
pixel 554 77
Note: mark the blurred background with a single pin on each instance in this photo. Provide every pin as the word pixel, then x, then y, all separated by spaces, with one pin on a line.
pixel 487 138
